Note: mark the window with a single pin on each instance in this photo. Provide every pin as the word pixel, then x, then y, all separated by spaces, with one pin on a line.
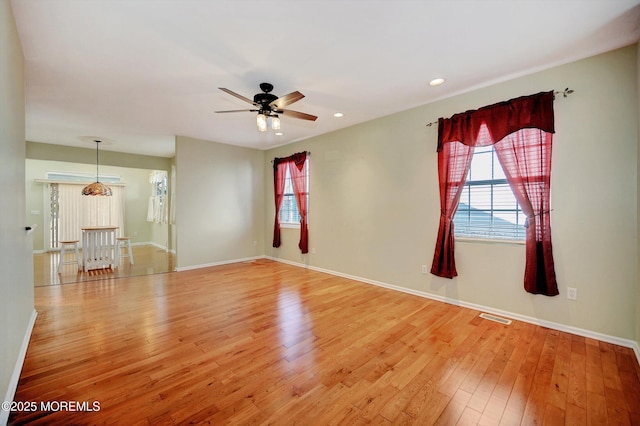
pixel 289 214
pixel 82 177
pixel 68 210
pixel 488 208
pixel 157 211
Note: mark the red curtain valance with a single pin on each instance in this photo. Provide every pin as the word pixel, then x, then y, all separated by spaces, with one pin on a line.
pixel 501 119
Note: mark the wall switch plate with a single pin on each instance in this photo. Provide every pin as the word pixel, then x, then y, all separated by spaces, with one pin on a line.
pixel 424 269
pixel 572 293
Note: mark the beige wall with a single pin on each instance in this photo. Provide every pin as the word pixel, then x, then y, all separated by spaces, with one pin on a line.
pixel 374 204
pixel 219 202
pixel 16 284
pixel 638 174
pixel 45 151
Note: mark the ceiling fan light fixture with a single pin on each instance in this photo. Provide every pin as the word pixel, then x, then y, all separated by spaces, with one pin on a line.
pixel 261 121
pixel 275 123
pixel 97 188
pixel 268 106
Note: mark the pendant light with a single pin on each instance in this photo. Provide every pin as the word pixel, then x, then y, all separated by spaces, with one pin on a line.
pixel 275 122
pixel 261 121
pixel 97 188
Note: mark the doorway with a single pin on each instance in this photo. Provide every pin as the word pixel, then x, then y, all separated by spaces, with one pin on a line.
pixel 142 214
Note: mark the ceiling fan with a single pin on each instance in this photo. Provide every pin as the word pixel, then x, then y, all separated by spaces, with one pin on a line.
pixel 269 106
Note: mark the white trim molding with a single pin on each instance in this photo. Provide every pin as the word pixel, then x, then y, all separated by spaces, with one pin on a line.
pixel 17 369
pixel 223 262
pixel 524 318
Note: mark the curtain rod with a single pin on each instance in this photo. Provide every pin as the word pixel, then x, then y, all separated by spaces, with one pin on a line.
pixel 308 153
pixel 565 93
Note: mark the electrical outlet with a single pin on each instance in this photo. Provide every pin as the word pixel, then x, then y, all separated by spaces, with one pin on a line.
pixel 255 243
pixel 424 269
pixel 313 250
pixel 572 293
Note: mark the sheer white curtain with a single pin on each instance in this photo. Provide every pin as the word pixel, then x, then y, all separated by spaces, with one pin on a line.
pixel 76 211
pixel 158 211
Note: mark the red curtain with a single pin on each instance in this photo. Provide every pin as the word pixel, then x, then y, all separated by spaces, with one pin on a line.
pixel 453 164
pixel 521 131
pixel 525 157
pixel 279 174
pixel 297 165
pixel 298 170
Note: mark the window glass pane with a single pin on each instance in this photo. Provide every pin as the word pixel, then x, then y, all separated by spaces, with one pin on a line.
pixel 480 196
pixel 289 210
pixel 503 197
pixel 498 172
pixel 481 166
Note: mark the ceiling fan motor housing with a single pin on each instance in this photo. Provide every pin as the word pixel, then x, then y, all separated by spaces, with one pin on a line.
pixel 264 99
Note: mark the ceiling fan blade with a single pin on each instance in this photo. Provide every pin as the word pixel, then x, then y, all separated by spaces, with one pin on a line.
pixel 232 93
pixel 285 100
pixel 239 110
pixel 296 114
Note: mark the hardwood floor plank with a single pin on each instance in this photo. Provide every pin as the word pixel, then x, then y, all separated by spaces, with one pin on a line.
pixel 553 415
pixel 617 407
pixel 455 409
pixel 469 417
pixel 536 403
pixel 268 343
pixel 596 409
pixel 557 393
pixel 610 372
pixel 576 416
pixel 577 387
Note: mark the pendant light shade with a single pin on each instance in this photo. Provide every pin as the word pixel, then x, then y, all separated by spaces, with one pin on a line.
pixel 261 121
pixel 97 188
pixel 275 123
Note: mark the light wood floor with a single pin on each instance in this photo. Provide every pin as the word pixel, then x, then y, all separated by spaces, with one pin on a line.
pixel 267 343
pixel 147 259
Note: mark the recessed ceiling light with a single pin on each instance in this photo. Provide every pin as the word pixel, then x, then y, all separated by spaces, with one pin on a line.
pixel 338 114
pixel 279 133
pixel 436 82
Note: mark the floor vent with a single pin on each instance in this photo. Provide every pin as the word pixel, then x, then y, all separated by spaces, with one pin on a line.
pixel 495 318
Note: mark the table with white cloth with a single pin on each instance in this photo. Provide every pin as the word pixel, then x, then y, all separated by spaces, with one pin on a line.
pixel 98 247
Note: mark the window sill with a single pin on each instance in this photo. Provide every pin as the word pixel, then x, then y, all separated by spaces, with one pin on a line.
pixel 490 241
pixel 290 225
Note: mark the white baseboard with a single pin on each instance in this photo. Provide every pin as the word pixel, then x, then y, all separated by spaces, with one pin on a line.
pixel 224 262
pixel 150 243
pixel 17 369
pixel 524 318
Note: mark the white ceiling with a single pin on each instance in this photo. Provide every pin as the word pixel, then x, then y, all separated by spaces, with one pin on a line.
pixel 137 72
